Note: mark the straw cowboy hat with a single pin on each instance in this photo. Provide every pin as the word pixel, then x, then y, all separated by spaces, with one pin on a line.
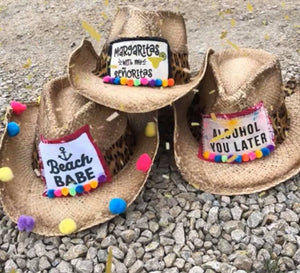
pixel 144 48
pixel 239 133
pixel 89 166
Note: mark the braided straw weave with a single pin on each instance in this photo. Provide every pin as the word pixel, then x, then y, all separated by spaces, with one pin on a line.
pixel 240 80
pixel 63 111
pixel 86 67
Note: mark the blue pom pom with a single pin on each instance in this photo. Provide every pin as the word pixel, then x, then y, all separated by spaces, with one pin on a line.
pixel 50 193
pixel 238 159
pixel 117 205
pixel 117 80
pixel 158 82
pixel 265 151
pixel 218 158
pixel 79 189
pixel 13 129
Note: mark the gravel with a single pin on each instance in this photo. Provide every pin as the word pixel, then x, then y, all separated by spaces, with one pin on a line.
pixel 171 227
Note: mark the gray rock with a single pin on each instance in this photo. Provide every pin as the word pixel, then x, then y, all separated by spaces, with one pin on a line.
pixel 54 270
pixel 137 267
pixel 171 270
pixel 226 268
pixel 128 235
pixel 102 232
pixel 40 249
pixel 213 215
pixel 99 268
pixel 224 246
pixel 44 263
pixel 296 256
pixel 108 241
pixel 165 241
pixel 117 253
pixel 237 235
pixel 289 249
pixel 33 264
pixel 152 246
pixel 236 213
pixel 3 256
pixel 75 252
pixel 154 264
pixel 255 219
pixel 102 255
pixel 289 216
pixel 196 269
pixel 257 241
pixel 179 235
pixel 205 196
pixel 9 265
pixel 21 263
pixel 175 211
pixel 169 259
pixel 224 214
pixel 233 225
pixel 179 263
pixel 215 231
pixel 85 266
pixel 243 262
pixel 153 226
pixel 51 255
pixel 120 267
pixel 214 265
pixel 92 253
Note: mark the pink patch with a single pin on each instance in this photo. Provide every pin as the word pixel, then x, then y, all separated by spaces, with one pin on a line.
pixel 211 156
pixel 57 193
pixel 144 81
pixel 252 155
pixel 18 108
pixel 143 163
pixel 106 79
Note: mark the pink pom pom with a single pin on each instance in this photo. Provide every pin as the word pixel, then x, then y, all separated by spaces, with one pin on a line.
pixel 144 81
pixel 57 193
pixel 106 79
pixel 252 155
pixel 211 156
pixel 143 163
pixel 18 107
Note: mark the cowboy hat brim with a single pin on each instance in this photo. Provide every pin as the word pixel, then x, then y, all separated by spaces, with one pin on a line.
pixel 129 99
pixel 234 179
pixel 23 195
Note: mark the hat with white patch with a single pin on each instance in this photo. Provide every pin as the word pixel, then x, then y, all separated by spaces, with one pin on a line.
pixel 143 65
pixel 68 158
pixel 240 132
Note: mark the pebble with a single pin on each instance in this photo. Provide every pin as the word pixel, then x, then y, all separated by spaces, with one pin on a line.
pixel 85 266
pixel 196 269
pixel 75 252
pixel 255 219
pixel 137 267
pixel 289 216
pixel 179 234
pixel 169 259
pixel 224 246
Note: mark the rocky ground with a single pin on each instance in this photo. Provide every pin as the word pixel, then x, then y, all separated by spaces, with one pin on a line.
pixel 171 227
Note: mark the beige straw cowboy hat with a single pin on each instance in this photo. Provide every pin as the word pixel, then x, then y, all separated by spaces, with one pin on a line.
pixel 239 133
pixel 58 129
pixel 142 46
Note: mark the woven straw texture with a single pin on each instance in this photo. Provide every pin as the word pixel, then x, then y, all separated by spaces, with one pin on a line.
pixel 131 23
pixel 240 79
pixel 23 195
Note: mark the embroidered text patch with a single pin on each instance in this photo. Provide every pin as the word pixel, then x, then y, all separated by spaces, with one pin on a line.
pixel 237 137
pixel 137 58
pixel 72 165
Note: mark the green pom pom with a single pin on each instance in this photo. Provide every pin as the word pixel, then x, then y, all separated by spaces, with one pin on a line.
pixel 136 82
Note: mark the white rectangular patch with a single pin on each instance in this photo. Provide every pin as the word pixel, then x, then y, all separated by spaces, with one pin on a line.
pixel 237 133
pixel 139 58
pixel 68 163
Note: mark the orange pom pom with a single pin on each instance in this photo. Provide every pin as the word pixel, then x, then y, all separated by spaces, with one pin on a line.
pixel 165 83
pixel 64 191
pixel 130 82
pixel 245 157
pixel 87 187
pixel 94 184
pixel 171 82
pixel 206 155
pixel 258 154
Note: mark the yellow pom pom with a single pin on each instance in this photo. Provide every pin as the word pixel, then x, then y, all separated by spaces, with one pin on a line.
pixel 123 81
pixel 64 191
pixel 67 226
pixel 6 174
pixel 165 83
pixel 150 129
pixel 206 155
pixel 258 153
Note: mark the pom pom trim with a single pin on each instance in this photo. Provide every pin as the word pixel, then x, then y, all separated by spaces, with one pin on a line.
pixel 247 157
pixel 139 82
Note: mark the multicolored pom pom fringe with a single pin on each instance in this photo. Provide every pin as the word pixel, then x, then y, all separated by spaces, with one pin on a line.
pixel 78 189
pixel 238 158
pixel 137 82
